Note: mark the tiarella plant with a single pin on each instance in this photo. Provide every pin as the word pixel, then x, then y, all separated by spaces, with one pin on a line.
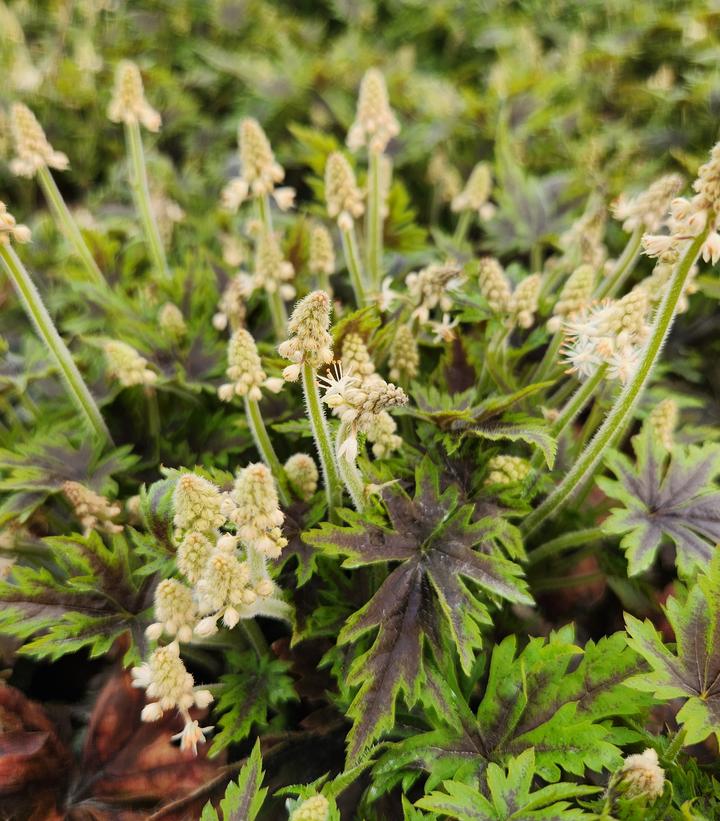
pixel 353 532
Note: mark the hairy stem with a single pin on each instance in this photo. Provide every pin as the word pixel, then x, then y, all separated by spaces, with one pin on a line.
pixel 278 312
pixel 318 423
pixel 348 470
pixel 39 316
pixel 67 224
pixel 625 403
pixel 571 409
pixel 352 260
pixel 374 221
pixel 580 538
pixel 141 193
pixel 265 448
pixel 462 227
pixel 254 636
pixel 610 286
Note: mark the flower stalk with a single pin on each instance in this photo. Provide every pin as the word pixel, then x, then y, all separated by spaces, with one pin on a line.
pixel 278 312
pixel 39 316
pixel 68 225
pixel 623 407
pixel 141 194
pixel 265 448
pixel 321 434
pixel 348 469
pixel 352 260
pixel 374 222
pixel 611 285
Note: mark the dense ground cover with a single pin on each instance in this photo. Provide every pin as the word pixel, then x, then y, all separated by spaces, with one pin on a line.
pixel 358 402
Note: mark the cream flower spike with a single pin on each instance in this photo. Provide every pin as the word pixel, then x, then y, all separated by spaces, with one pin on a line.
pixel 649 209
pixel 310 342
pixel 33 151
pixel 245 370
pixel 128 104
pixel 273 272
pixel 322 254
pixel 198 505
pixel 302 473
pixel 94 511
pixel 166 680
pixel 9 229
pixel 375 123
pixel 126 365
pixel 476 192
pixel 432 287
pixel 342 195
pixel 257 511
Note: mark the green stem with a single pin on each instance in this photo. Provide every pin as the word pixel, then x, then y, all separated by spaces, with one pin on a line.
pixel 255 637
pixel 374 221
pixel 550 360
pixel 536 258
pixel 572 408
pixel 265 448
pixel 610 286
pixel 141 193
pixel 278 312
pixel 319 426
pixel 580 538
pixel 349 472
pixel 352 260
pixel 68 225
pixel 567 582
pixel 264 212
pixel 462 227
pixel 625 403
pixel 39 316
pixel 153 421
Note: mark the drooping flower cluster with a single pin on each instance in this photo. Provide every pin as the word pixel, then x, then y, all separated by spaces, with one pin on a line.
pixel 475 194
pixel 375 123
pixel 612 333
pixel 260 171
pixel 94 511
pixel 381 431
pixel 494 285
pixel 32 149
pixel 342 195
pixel 322 254
pixel 519 306
pixel 198 506
pixel 272 271
pixel 689 218
pixel 358 405
pixel 662 421
pixel 231 309
pixel 524 302
pixel 302 473
pixel 404 355
pixel 257 511
pixel 10 229
pixel 575 297
pixel 227 579
pixel 432 287
pixel 444 176
pixel 310 341
pixel 166 680
pixel 128 104
pixel 245 370
pixel 126 365
pixel 649 209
